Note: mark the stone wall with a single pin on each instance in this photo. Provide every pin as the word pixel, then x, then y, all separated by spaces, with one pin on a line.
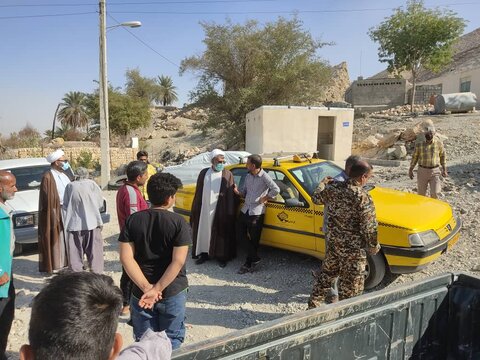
pixel 118 156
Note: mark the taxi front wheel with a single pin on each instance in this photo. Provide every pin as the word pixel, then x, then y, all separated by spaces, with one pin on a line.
pixel 375 270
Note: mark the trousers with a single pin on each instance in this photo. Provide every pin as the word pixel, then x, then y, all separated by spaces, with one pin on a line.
pixel 249 230
pixel 429 177
pixel 7 312
pixel 87 243
pixel 342 276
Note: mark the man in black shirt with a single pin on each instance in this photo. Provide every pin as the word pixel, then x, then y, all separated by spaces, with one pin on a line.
pixel 153 250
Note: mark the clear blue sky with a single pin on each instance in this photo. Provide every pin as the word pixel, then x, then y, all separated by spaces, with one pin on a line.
pixel 43 57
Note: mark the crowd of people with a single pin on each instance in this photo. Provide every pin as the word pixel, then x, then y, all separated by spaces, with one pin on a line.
pixel 154 244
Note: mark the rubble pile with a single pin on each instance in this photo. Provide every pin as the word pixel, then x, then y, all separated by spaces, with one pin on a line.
pixel 391 144
pixel 403 110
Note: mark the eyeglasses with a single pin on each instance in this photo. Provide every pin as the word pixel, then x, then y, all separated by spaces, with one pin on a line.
pixel 65 161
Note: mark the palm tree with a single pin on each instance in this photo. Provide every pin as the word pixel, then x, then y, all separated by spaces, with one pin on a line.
pixel 168 92
pixel 73 110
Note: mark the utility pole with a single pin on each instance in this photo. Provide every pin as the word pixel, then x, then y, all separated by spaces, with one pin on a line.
pixel 103 97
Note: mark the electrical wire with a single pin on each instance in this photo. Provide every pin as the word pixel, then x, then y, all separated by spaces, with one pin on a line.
pixel 143 42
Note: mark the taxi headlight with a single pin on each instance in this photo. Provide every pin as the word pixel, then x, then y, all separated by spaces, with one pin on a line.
pixel 24 220
pixel 423 239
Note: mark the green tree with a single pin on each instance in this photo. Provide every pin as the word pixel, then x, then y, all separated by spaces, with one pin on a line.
pixel 126 113
pixel 138 86
pixel 168 93
pixel 247 66
pixel 72 110
pixel 417 37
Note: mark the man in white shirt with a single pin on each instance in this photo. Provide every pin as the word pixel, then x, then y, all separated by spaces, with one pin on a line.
pixel 83 223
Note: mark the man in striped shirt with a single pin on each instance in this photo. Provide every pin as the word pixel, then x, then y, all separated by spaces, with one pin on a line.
pixel 257 189
pixel 430 156
pixel 129 201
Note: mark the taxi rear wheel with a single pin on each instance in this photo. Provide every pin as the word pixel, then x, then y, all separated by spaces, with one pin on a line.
pixel 375 270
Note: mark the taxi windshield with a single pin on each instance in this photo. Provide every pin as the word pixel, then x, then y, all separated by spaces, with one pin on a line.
pixel 309 176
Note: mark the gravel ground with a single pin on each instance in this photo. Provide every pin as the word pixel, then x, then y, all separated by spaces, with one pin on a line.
pixel 221 301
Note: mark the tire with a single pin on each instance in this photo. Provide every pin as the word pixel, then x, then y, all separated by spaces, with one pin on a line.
pixel 376 269
pixel 18 249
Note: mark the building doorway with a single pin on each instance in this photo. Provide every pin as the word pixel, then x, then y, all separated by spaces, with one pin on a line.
pixel 325 137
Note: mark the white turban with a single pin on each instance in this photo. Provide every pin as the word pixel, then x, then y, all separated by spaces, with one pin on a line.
pixel 215 153
pixel 54 156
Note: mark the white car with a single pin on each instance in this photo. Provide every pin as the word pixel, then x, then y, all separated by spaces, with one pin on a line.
pixel 24 205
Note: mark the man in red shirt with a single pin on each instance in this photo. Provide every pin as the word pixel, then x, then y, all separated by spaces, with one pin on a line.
pixel 129 201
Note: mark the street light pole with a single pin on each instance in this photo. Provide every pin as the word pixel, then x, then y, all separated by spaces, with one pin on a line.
pixel 103 94
pixel 103 97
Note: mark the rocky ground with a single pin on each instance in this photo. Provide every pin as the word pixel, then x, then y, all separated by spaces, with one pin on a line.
pixel 220 300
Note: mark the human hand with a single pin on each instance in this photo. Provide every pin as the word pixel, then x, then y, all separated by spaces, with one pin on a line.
pixel 410 173
pixel 373 250
pixel 149 298
pixel 263 199
pixel 235 190
pixel 444 172
pixel 4 278
pixel 327 180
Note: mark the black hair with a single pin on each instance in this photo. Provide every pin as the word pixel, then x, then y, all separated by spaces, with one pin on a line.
pixel 360 168
pixel 351 160
pixel 75 317
pixel 141 153
pixel 255 160
pixel 135 168
pixel 161 186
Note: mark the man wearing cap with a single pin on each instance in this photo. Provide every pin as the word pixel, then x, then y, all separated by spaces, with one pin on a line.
pixel 83 222
pixel 430 156
pixel 51 240
pixel 213 213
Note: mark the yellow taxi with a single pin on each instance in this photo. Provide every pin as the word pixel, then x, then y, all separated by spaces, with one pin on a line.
pixel 413 230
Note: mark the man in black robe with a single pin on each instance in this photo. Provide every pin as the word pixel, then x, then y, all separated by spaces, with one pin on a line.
pixel 214 213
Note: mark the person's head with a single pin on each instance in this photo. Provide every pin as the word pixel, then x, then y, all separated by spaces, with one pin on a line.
pixel 351 160
pixel 218 159
pixel 82 173
pixel 361 172
pixel 137 172
pixel 75 317
pixel 254 163
pixel 58 160
pixel 8 186
pixel 142 155
pixel 161 189
pixel 429 133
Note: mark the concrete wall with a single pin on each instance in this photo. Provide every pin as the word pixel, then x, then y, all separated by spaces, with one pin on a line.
pixel 272 129
pixel 451 82
pixel 391 92
pixel 118 156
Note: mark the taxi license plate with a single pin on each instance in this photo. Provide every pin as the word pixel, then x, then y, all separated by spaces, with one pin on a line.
pixel 453 241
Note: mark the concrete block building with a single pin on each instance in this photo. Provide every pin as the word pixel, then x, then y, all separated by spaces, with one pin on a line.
pixel 290 129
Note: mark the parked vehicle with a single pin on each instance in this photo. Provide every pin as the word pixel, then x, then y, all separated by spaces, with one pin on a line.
pixel 433 319
pixel 29 173
pixel 413 230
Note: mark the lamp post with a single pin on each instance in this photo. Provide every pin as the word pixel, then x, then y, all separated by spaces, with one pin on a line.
pixel 103 94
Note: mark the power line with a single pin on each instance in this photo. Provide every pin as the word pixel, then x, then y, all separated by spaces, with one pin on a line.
pixel 140 3
pixel 46 15
pixel 143 42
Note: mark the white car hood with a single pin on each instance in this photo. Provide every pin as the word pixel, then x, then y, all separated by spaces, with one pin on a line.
pixel 24 201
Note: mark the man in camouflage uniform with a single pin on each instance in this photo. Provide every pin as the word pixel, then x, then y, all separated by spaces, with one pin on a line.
pixel 352 232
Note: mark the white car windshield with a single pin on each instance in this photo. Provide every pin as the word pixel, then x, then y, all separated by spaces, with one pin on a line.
pixel 29 178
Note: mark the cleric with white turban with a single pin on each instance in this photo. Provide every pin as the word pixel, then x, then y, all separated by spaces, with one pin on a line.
pixel 51 237
pixel 213 213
